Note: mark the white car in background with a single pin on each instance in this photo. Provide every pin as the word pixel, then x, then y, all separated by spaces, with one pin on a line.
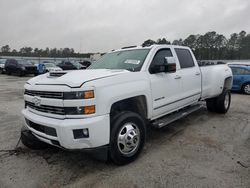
pixel 2 65
pixel 51 67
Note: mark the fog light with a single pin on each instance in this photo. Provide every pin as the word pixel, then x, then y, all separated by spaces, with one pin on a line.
pixel 85 132
pixel 80 133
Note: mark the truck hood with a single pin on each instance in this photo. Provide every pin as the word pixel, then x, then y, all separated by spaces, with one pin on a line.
pixel 74 78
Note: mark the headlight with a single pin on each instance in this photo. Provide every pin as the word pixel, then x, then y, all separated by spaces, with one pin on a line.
pixel 82 110
pixel 79 95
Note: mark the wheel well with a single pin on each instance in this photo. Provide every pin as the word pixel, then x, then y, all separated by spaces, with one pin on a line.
pixel 135 104
pixel 228 83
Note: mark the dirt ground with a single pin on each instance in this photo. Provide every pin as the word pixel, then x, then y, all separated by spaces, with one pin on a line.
pixel 202 150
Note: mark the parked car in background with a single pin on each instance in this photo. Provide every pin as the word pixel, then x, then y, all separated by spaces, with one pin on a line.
pixel 241 78
pixel 2 66
pixel 33 62
pixel 51 67
pixel 20 67
pixel 85 63
pixel 70 65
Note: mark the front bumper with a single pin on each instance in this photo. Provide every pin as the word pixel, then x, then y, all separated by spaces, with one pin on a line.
pixel 98 127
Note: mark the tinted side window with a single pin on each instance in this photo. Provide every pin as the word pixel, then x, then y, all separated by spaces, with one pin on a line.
pixel 233 70
pixel 159 57
pixel 7 63
pixel 185 58
pixel 238 71
pixel 247 72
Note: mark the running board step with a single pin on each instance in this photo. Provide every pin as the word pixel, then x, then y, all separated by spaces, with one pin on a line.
pixel 176 115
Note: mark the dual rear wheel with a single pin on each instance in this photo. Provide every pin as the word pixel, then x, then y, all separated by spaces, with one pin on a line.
pixel 220 104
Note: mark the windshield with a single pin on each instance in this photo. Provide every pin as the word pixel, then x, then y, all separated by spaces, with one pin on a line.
pixel 131 60
pixel 23 62
pixel 78 65
pixel 2 61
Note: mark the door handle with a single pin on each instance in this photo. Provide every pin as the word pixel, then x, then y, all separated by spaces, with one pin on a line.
pixel 177 77
pixel 197 74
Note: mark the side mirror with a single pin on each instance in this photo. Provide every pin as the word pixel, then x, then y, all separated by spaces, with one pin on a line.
pixel 171 64
pixel 158 68
pixel 168 66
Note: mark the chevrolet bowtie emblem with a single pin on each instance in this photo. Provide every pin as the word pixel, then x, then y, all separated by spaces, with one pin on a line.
pixel 36 101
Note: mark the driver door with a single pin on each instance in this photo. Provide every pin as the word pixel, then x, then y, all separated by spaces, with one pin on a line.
pixel 165 87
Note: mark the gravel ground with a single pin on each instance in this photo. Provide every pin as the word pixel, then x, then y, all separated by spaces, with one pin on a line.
pixel 201 150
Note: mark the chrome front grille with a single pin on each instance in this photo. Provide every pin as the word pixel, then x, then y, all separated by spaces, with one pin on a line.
pixel 45 94
pixel 46 109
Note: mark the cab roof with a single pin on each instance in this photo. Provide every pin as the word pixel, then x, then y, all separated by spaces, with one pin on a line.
pixel 149 47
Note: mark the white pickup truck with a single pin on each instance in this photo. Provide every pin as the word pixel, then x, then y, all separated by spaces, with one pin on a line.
pixel 108 107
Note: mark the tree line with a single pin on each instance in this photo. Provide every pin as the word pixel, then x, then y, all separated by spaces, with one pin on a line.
pixel 47 52
pixel 213 46
pixel 210 46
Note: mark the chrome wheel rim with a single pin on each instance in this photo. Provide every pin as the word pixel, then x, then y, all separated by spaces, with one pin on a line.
pixel 247 89
pixel 128 139
pixel 226 101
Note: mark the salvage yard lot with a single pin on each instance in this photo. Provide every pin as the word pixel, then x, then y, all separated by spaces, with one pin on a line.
pixel 202 150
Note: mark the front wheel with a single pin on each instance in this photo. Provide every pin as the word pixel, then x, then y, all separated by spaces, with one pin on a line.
pixel 20 73
pixel 8 72
pixel 127 137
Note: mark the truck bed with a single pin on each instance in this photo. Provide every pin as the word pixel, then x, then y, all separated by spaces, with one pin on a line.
pixel 211 85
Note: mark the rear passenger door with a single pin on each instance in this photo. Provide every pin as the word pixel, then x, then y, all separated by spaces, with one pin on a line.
pixel 190 76
pixel 12 66
pixel 15 66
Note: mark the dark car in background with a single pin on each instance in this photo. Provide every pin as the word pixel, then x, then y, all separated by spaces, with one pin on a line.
pixel 70 65
pixel 85 63
pixel 2 66
pixel 19 67
pixel 241 78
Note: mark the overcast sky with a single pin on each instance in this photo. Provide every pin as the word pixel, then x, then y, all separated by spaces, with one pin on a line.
pixel 103 25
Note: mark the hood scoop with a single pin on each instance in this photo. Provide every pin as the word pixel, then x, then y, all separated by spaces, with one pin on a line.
pixel 57 74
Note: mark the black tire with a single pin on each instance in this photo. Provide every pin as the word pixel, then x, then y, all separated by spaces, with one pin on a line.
pixel 1 71
pixel 8 72
pixel 220 104
pixel 119 123
pixel 246 89
pixel 30 141
pixel 223 102
pixel 20 73
pixel 211 104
